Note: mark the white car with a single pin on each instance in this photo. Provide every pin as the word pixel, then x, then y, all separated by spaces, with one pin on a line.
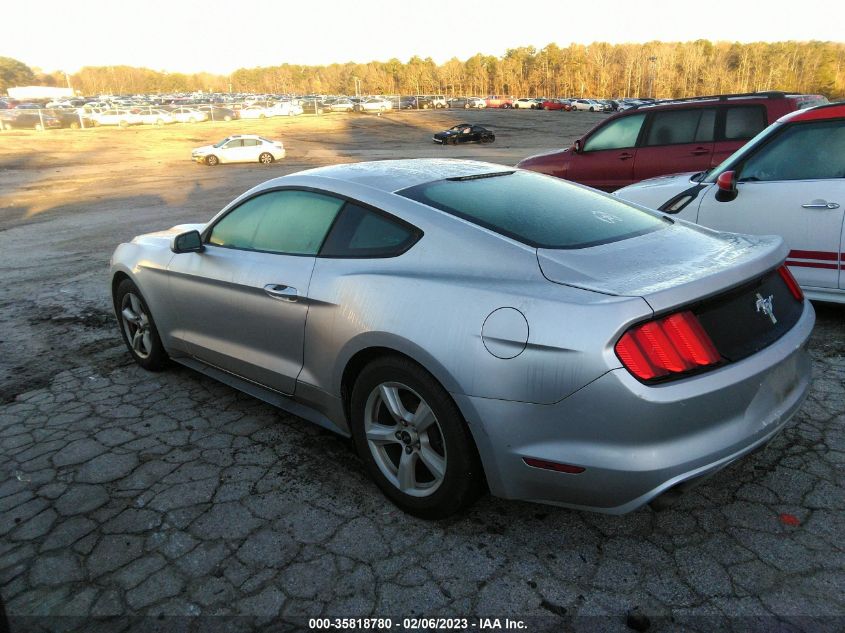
pixel 589 105
pixel 155 116
pixel 375 104
pixel 283 108
pixel 255 112
pixel 789 180
pixel 183 114
pixel 116 116
pixel 240 148
pixel 525 103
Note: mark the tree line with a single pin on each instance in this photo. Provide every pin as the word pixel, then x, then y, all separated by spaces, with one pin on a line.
pixel 654 69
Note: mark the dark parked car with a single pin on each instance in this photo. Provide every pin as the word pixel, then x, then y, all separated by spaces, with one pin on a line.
pixel 654 139
pixel 217 113
pixel 312 106
pixel 28 120
pixel 464 133
pixel 71 118
pixel 466 102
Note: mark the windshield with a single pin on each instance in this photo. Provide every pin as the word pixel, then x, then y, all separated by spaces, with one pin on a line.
pixel 537 210
pixel 223 142
pixel 739 155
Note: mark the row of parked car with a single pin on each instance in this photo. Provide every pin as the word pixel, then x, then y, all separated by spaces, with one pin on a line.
pixel 692 158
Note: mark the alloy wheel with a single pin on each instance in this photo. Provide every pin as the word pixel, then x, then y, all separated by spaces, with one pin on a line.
pixel 136 325
pixel 405 439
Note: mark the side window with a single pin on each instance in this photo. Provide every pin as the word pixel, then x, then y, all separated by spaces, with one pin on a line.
pixel 251 142
pixel 360 232
pixel 233 144
pixel 681 126
pixel 618 134
pixel 820 146
pixel 287 222
pixel 744 122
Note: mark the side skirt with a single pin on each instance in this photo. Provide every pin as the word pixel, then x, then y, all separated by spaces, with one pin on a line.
pixel 279 400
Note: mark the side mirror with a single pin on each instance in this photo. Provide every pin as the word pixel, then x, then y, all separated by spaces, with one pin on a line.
pixel 726 182
pixel 190 242
pixel 577 146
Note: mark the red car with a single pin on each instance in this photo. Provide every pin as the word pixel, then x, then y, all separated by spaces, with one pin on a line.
pixel 665 138
pixel 556 104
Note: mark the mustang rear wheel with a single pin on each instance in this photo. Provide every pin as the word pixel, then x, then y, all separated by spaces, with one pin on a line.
pixel 138 328
pixel 413 440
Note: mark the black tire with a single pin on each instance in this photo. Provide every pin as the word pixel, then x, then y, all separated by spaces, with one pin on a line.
pixel 454 140
pixel 463 480
pixel 157 359
pixel 488 139
pixel 265 158
pixel 592 109
pixel 211 160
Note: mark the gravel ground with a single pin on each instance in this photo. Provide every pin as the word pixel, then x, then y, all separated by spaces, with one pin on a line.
pixel 139 496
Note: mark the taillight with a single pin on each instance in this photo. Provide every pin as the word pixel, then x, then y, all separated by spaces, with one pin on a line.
pixel 793 286
pixel 670 345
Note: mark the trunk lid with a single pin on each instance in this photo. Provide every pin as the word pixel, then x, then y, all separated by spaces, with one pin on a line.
pixel 668 268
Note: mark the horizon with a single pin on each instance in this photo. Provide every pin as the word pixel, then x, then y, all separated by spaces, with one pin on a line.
pixel 203 37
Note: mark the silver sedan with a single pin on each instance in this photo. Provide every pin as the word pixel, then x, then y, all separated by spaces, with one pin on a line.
pixel 474 326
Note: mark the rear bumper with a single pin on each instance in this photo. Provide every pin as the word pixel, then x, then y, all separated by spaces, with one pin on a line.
pixel 635 441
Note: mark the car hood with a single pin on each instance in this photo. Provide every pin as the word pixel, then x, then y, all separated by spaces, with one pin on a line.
pixel 668 267
pixel 167 235
pixel 654 192
pixel 205 149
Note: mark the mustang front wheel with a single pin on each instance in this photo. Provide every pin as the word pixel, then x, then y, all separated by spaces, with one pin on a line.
pixel 138 328
pixel 413 439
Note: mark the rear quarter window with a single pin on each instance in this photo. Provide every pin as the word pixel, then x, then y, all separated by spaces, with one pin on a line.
pixel 362 232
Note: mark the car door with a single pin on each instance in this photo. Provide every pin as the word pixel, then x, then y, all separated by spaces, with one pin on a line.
pixel 252 149
pixel 792 186
pixel 243 300
pixel 233 151
pixel 676 141
pixel 606 159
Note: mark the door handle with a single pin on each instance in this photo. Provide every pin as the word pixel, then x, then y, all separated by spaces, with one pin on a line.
pixel 282 292
pixel 698 151
pixel 820 204
pixel 625 156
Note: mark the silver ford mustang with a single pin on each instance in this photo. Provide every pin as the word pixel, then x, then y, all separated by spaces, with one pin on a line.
pixel 472 325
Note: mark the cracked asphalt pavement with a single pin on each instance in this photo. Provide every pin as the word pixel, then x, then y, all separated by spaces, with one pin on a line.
pixel 127 496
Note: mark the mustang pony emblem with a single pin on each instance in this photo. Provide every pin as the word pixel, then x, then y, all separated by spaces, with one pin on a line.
pixel 765 306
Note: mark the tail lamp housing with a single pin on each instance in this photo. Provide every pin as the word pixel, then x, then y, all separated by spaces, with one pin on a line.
pixel 668 346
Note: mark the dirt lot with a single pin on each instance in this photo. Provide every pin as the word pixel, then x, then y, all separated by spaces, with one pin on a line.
pixel 123 492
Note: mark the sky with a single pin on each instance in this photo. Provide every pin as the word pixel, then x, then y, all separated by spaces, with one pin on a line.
pixel 221 36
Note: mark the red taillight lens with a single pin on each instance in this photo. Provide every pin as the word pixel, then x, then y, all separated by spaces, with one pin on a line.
pixel 793 286
pixel 670 345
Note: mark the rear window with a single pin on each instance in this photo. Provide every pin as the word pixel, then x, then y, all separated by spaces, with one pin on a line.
pixel 537 210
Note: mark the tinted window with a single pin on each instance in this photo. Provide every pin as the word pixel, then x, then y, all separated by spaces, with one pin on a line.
pixel 820 146
pixel 251 142
pixel 235 143
pixel 617 134
pixel 538 210
pixel 290 222
pixel 743 122
pixel 360 232
pixel 681 126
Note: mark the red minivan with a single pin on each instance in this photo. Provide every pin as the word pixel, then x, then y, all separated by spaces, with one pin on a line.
pixel 667 137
